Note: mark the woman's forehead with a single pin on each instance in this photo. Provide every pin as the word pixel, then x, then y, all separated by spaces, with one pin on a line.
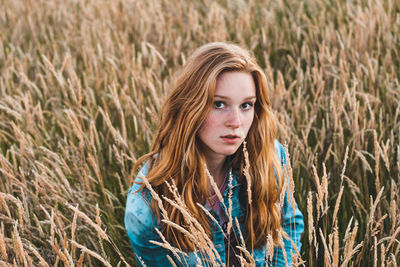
pixel 235 83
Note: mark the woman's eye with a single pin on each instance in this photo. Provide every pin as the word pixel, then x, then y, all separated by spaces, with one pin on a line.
pixel 219 104
pixel 247 105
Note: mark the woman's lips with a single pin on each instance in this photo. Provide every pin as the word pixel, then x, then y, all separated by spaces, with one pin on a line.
pixel 230 139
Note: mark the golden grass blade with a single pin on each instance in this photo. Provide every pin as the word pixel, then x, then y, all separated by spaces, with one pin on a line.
pixel 91 253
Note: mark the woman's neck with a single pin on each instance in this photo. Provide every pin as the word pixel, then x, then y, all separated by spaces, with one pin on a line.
pixel 218 168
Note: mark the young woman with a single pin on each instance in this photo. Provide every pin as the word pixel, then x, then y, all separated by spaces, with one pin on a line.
pixel 212 190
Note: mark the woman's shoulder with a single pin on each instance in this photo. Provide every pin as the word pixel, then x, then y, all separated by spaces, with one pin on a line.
pixel 138 179
pixel 139 217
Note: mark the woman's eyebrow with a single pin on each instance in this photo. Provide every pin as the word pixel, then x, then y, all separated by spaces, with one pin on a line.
pixel 225 97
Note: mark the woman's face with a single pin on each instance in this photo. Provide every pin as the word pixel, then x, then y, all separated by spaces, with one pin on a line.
pixel 231 116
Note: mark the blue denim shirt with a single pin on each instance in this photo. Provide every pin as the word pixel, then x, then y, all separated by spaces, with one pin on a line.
pixel 140 223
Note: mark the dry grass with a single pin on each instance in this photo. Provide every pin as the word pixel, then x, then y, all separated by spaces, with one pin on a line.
pixel 81 83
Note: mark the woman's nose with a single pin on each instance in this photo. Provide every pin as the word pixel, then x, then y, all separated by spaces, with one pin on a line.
pixel 233 120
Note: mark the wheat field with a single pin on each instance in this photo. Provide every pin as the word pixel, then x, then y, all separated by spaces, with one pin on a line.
pixel 82 81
